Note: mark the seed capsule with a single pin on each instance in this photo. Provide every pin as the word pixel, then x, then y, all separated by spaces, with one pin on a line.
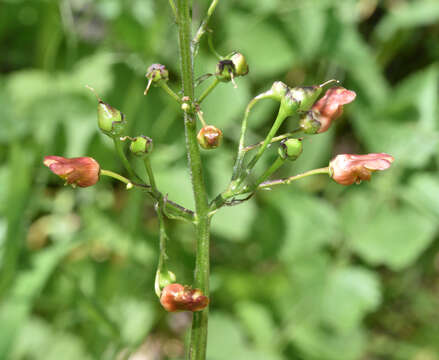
pixel 290 149
pixel 176 297
pixel 110 120
pixel 141 145
pixel 209 137
pixel 240 64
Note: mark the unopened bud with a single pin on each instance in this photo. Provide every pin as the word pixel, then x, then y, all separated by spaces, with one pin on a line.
pixel 290 149
pixel 209 137
pixel 309 122
pixel 176 297
pixel 141 145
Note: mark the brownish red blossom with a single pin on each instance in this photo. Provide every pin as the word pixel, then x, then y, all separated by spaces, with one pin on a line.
pixel 176 297
pixel 347 169
pixel 80 171
pixel 330 106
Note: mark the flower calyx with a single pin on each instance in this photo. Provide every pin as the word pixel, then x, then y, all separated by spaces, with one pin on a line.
pixel 176 297
pixel 346 169
pixel 155 74
pixel 309 122
pixel 80 171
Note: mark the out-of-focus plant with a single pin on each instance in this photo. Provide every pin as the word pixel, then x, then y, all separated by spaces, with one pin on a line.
pixel 316 117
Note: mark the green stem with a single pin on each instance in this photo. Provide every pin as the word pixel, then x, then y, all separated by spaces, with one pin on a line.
pixel 275 139
pixel 288 180
pixel 197 350
pixel 281 116
pixel 174 10
pixel 276 165
pixel 241 153
pixel 203 27
pixel 208 90
pixel 126 163
pixel 116 176
pixel 169 91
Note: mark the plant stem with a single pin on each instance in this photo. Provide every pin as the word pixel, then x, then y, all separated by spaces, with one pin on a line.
pixel 126 163
pixel 208 90
pixel 116 176
pixel 203 27
pixel 288 180
pixel 276 165
pixel 275 139
pixel 197 350
pixel 169 91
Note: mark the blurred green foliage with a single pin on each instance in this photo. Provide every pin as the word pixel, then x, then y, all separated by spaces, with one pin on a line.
pixel 312 271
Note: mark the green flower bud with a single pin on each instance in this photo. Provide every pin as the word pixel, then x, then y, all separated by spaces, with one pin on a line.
pixel 141 145
pixel 110 120
pixel 209 137
pixel 310 123
pixel 225 70
pixel 307 96
pixel 240 63
pixel 290 149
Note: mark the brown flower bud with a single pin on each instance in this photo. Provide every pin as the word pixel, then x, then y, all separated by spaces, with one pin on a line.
pixel 176 297
pixel 209 137
pixel 347 169
pixel 330 106
pixel 80 171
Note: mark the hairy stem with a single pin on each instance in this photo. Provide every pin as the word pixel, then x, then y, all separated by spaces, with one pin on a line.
pixel 197 350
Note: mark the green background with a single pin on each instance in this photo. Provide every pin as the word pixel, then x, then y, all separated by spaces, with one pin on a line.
pixel 312 271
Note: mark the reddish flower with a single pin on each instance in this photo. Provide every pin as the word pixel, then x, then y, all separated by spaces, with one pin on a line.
pixel 347 169
pixel 81 171
pixel 176 297
pixel 330 106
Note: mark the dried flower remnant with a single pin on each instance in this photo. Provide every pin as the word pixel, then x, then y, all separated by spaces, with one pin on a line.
pixel 347 169
pixel 80 171
pixel 176 297
pixel 330 106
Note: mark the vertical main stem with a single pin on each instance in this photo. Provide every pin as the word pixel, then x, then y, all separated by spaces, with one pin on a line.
pixel 197 350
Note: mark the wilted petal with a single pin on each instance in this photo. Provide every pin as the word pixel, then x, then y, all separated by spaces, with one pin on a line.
pixel 347 169
pixel 330 106
pixel 81 171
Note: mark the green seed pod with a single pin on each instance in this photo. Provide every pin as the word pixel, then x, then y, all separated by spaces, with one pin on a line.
pixel 110 120
pixel 209 137
pixel 309 122
pixel 225 70
pixel 290 149
pixel 307 96
pixel 240 63
pixel 141 145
